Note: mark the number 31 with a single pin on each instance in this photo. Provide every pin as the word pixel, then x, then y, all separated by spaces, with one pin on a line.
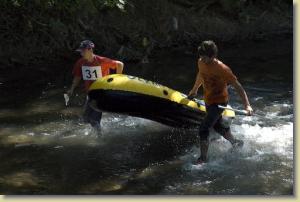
pixel 89 73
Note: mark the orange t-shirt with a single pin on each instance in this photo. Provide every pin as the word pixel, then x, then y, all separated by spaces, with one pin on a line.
pixel 85 69
pixel 215 77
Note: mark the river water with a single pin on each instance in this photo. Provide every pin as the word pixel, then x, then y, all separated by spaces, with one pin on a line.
pixel 47 149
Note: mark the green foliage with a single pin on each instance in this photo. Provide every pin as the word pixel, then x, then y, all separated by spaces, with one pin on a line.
pixel 32 30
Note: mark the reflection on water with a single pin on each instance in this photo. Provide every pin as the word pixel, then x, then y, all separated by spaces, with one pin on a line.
pixel 47 149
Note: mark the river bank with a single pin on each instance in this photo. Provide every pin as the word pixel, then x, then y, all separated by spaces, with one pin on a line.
pixel 44 32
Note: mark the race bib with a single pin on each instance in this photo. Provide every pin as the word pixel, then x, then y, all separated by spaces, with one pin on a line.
pixel 91 73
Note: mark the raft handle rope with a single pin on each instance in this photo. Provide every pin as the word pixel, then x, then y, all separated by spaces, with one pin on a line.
pixel 237 111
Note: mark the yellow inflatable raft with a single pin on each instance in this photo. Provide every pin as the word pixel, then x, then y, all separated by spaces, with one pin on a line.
pixel 135 96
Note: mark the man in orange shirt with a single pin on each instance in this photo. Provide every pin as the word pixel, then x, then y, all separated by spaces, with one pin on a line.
pixel 215 76
pixel 89 68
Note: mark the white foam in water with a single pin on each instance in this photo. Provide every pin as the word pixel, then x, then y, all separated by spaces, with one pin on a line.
pixel 117 124
pixel 30 134
pixel 213 165
pixel 267 154
pixel 87 131
pixel 258 141
pixel 278 140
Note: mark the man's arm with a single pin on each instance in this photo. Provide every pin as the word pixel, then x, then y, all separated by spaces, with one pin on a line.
pixel 242 93
pixel 120 67
pixel 197 84
pixel 75 83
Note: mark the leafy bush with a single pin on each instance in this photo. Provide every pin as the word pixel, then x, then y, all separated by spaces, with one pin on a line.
pixel 34 31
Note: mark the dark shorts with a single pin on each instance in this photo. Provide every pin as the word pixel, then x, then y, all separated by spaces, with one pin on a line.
pixel 213 119
pixel 92 116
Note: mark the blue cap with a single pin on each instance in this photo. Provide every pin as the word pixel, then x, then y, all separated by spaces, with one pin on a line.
pixel 86 44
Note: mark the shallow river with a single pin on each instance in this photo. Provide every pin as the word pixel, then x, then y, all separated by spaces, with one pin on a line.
pixel 45 148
